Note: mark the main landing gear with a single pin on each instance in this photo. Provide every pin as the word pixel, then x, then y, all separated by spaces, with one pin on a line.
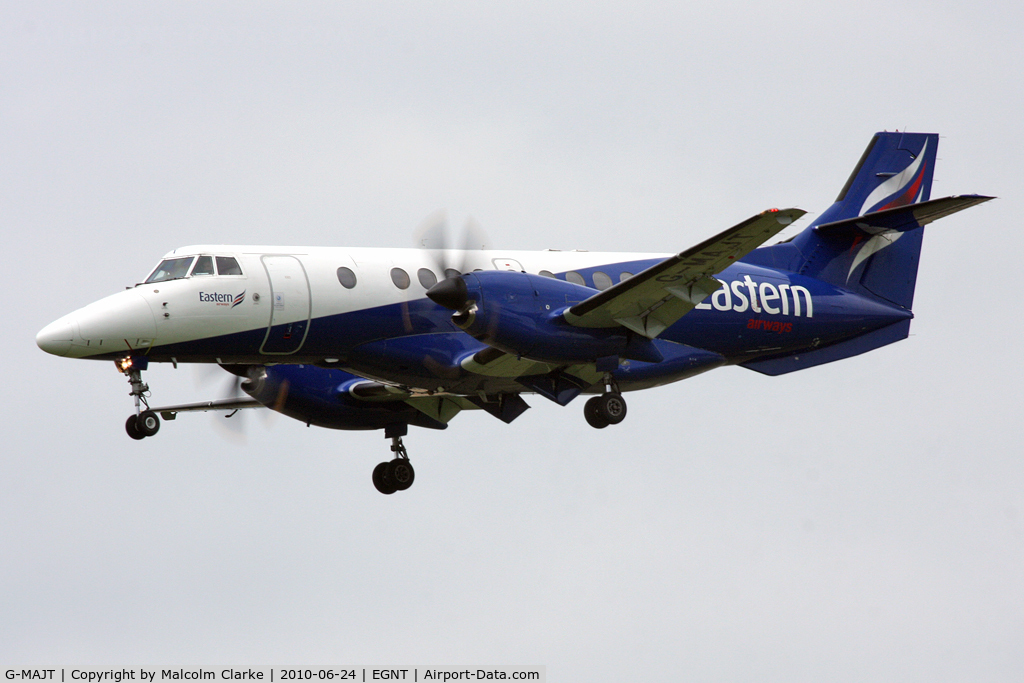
pixel 398 474
pixel 144 422
pixel 607 409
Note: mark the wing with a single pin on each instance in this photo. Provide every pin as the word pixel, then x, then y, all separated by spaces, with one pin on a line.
pixel 560 384
pixel 649 302
pixel 441 406
pixel 171 412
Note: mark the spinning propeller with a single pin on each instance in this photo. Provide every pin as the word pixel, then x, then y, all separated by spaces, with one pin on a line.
pixel 451 257
pixel 434 235
pixel 244 382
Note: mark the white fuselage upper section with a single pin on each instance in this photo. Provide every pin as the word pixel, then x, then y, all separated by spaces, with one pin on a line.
pixel 282 286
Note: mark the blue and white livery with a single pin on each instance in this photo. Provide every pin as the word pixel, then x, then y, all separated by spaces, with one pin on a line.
pixel 357 338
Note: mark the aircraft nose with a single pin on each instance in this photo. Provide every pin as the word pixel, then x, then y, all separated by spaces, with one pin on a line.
pixel 120 317
pixel 120 322
pixel 56 337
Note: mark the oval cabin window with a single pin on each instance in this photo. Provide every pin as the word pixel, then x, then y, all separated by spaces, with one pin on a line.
pixel 602 281
pixel 346 277
pixel 426 277
pixel 400 278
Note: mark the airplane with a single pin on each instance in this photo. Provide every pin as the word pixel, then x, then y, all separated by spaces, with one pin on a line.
pixel 368 338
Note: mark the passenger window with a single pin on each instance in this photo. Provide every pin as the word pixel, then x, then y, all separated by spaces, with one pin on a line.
pixel 546 273
pixel 602 281
pixel 449 273
pixel 623 276
pixel 426 277
pixel 346 277
pixel 171 269
pixel 400 278
pixel 227 265
pixel 575 278
pixel 204 266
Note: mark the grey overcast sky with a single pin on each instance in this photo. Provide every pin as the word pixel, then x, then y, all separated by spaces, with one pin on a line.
pixel 859 521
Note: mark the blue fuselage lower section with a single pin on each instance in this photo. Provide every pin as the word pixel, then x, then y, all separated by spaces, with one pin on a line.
pixel 758 313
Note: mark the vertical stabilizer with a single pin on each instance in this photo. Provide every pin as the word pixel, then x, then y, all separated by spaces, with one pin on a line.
pixel 895 171
pixel 867 242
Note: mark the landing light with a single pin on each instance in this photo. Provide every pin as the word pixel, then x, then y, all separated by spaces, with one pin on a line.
pixel 123 364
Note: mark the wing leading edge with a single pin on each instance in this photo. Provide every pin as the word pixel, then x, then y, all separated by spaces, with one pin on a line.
pixel 232 404
pixel 651 301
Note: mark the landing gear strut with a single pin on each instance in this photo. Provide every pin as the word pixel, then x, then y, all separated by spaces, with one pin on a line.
pixel 398 474
pixel 144 422
pixel 607 409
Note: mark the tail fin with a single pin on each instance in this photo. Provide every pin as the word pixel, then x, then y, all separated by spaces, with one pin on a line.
pixel 869 240
pixel 895 170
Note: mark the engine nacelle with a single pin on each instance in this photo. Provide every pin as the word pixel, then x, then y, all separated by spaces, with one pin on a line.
pixel 521 314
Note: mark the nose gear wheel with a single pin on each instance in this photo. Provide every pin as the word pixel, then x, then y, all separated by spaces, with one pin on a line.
pixel 144 422
pixel 132 427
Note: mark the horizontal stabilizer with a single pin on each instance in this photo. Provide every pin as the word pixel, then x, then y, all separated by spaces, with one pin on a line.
pixel 905 218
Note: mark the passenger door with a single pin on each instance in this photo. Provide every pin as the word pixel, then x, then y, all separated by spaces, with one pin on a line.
pixel 290 305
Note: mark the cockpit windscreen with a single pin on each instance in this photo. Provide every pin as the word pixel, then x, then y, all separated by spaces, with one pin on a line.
pixel 171 269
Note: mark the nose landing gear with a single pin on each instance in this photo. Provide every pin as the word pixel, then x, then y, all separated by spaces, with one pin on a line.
pixel 398 474
pixel 142 425
pixel 144 422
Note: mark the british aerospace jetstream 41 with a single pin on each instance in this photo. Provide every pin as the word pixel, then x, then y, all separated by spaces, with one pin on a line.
pixel 357 338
